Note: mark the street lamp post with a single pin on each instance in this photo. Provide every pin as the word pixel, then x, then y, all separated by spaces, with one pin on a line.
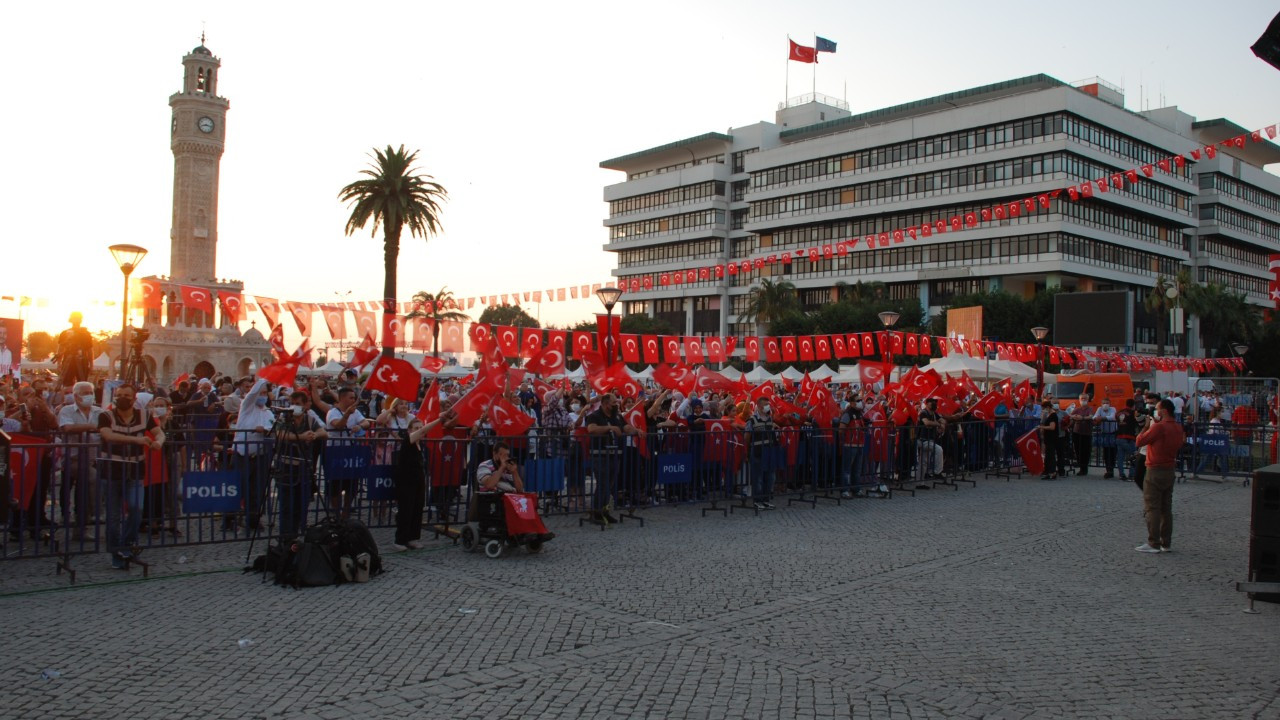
pixel 1040 333
pixel 127 257
pixel 888 318
pixel 609 297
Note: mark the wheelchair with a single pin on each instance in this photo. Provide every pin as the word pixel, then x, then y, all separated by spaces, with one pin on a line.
pixel 504 521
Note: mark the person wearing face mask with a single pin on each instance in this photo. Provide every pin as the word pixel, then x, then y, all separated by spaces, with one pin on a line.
pixel 124 443
pixel 78 421
pixel 161 500
pixel 762 434
pixel 1163 438
pixel 853 439
pixel 1105 421
pixel 248 444
pixel 293 471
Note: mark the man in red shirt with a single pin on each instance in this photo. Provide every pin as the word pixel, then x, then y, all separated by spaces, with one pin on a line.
pixel 1163 438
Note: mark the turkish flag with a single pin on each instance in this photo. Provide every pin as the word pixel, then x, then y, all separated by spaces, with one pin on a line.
pixel 679 378
pixel 924 345
pixel 366 322
pixel 581 344
pixel 707 379
pixel 302 316
pixel 548 362
pixel 433 364
pixel 335 320
pixel 608 327
pixel 985 409
pixel 1022 392
pixel 763 390
pixel 919 385
pixel 392 330
pixel 276 341
pixel 614 377
pixel 530 342
pixel 424 331
pixel 752 349
pixel 693 350
pixel 772 350
pixel 153 296
pixel 630 345
pixel 670 349
pixel 913 345
pixel 24 464
pixel 270 309
pixel 593 363
pixel 364 354
pixel 651 347
pixel 1029 447
pixel 450 337
pixel 481 337
pixel 822 347
pixel 895 343
pixel 395 377
pixel 806 347
pixel 282 372
pixel 508 420
pixel 789 349
pixel 635 417
pixel 196 298
pixel 868 346
pixel 802 53
pixel 232 304
pixel 716 445
pixel 429 410
pixel 474 403
pixel 837 342
pixel 872 372
pixel 715 349
pixel 508 340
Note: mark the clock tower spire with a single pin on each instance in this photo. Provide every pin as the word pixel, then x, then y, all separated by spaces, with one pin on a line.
pixel 198 132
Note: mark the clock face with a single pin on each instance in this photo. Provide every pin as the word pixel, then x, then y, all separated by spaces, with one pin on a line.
pixel 205 124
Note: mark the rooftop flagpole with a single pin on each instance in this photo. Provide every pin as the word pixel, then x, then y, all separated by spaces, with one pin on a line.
pixel 815 65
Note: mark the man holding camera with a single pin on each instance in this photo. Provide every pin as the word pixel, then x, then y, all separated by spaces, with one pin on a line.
pixel 1163 437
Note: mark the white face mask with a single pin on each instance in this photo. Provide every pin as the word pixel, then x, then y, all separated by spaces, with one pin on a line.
pixel 84 400
pixel 575 407
pixel 160 412
pixel 297 410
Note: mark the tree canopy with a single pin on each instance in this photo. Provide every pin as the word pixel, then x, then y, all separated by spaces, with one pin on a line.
pixel 512 315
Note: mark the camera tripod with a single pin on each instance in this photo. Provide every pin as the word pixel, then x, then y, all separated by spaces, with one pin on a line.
pixel 135 369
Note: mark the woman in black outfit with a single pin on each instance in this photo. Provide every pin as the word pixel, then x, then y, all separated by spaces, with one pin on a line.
pixel 411 482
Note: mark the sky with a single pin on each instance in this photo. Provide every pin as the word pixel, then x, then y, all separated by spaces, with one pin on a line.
pixel 510 105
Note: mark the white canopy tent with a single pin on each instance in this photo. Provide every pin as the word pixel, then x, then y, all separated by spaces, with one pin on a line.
pixel 333 367
pixel 759 375
pixel 822 373
pixel 791 374
pixel 731 373
pixel 847 374
pixel 448 371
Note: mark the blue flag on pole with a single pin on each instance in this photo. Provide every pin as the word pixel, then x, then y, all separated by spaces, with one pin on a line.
pixel 825 45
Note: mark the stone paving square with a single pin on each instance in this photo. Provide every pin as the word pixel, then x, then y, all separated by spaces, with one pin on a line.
pixel 1009 600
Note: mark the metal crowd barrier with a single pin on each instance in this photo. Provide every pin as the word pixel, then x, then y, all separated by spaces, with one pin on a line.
pixel 64 498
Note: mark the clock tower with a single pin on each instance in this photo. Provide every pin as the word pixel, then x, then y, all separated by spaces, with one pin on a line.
pixel 188 339
pixel 198 131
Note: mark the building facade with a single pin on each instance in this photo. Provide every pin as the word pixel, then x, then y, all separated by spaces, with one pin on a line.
pixel 821 175
pixel 186 340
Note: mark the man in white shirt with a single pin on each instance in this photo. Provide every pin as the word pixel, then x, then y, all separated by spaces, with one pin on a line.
pixel 344 422
pixel 78 421
pixel 1178 403
pixel 252 424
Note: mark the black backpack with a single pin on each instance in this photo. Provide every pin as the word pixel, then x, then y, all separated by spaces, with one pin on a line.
pixel 354 539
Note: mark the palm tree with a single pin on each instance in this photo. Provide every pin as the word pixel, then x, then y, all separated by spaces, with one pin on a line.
pixel 394 196
pixel 1225 316
pixel 1158 303
pixel 439 307
pixel 769 301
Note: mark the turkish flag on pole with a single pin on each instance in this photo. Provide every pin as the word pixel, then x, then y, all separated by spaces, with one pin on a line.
pixel 872 372
pixel 276 341
pixel 395 377
pixel 508 420
pixel 282 372
pixel 196 298
pixel 430 410
pixel 364 354
pixel 433 364
pixel 547 362
pixel 608 326
pixel 232 304
pixel 635 417
pixel 802 53
pixel 1029 447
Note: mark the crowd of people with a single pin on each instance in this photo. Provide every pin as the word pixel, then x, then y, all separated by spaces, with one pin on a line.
pixel 106 438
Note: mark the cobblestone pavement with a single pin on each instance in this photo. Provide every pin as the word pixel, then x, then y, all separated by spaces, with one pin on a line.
pixel 1008 600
